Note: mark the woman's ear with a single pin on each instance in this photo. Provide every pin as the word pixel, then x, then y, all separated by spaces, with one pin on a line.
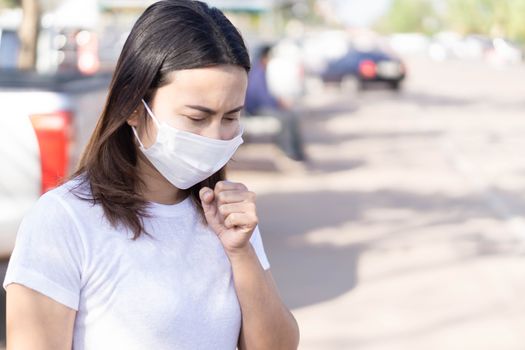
pixel 134 119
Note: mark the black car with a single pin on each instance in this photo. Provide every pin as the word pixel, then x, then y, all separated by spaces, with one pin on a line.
pixel 366 66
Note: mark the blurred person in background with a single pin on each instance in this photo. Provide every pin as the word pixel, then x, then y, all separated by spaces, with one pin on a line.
pixel 260 101
pixel 147 246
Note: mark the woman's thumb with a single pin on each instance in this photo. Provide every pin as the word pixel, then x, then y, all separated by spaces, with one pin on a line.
pixel 206 195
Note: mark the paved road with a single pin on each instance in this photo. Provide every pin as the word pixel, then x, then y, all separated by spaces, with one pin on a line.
pixel 405 230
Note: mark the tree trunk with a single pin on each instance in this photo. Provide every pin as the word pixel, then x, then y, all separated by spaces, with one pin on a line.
pixel 28 34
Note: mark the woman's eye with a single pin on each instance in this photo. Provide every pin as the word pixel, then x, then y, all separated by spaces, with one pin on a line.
pixel 196 120
pixel 231 119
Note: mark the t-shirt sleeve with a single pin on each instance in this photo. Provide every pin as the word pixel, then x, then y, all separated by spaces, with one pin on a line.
pixel 48 252
pixel 257 244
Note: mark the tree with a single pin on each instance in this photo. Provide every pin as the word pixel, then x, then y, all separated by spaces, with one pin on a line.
pixel 409 16
pixel 9 3
pixel 28 34
pixel 490 17
pixel 516 24
pixel 493 17
pixel 28 30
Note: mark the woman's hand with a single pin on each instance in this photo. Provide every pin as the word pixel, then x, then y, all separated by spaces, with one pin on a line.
pixel 230 212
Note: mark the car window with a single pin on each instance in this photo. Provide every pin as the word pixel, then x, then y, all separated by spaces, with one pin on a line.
pixel 9 47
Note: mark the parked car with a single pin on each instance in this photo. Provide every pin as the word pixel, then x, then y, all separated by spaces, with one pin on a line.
pixel 366 67
pixel 46 120
pixel 9 46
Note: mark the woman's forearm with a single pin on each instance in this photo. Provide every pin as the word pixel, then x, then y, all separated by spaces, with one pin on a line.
pixel 266 322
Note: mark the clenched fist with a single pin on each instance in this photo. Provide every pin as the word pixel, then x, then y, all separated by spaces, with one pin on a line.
pixel 230 212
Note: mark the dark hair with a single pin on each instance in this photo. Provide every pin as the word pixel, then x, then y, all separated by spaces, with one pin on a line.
pixel 170 35
pixel 264 51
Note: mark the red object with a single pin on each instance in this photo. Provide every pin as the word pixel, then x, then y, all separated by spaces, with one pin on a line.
pixel 54 134
pixel 367 68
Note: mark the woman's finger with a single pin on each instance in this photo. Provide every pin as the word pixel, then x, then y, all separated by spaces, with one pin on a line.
pixel 246 220
pixel 234 196
pixel 229 186
pixel 239 207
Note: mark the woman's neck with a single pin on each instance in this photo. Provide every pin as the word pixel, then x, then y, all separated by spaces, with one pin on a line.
pixel 156 188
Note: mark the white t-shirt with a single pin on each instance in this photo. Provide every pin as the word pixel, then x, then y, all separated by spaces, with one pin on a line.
pixel 172 291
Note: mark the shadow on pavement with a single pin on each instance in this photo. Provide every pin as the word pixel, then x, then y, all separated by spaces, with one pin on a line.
pixel 312 272
pixel 307 274
pixel 329 166
pixel 327 112
pixel 322 137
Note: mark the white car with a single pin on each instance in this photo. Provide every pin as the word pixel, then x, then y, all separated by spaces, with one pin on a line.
pixel 29 118
pixel 42 133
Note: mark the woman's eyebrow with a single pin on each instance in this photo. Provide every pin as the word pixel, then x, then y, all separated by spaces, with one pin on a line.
pixel 211 111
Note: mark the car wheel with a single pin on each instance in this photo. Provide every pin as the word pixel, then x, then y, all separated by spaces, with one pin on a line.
pixel 362 85
pixel 395 85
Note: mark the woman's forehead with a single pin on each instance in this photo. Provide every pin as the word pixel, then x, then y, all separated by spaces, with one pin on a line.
pixel 213 85
pixel 209 76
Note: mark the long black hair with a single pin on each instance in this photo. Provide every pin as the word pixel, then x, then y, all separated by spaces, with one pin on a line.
pixel 170 35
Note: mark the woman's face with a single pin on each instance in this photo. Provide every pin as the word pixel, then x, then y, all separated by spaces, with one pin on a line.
pixel 204 101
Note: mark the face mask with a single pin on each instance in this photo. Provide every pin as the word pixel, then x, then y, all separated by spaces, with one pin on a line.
pixel 184 158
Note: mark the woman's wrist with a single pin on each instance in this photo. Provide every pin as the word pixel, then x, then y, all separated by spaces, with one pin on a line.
pixel 240 253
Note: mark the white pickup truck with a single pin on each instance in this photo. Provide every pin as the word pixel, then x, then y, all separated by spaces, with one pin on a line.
pixel 44 123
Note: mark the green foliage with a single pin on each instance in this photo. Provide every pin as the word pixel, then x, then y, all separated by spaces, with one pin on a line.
pixel 491 17
pixel 472 16
pixel 9 3
pixel 516 23
pixel 409 16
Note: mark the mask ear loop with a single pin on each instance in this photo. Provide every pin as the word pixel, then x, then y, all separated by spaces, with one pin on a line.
pixel 137 136
pixel 152 117
pixel 151 113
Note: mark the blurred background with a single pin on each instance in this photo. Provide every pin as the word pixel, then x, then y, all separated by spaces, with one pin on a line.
pixel 389 162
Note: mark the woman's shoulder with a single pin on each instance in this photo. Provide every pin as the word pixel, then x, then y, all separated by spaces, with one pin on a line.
pixel 52 222
pixel 78 185
pixel 72 196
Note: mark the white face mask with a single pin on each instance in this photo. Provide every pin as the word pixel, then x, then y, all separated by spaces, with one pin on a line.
pixel 184 158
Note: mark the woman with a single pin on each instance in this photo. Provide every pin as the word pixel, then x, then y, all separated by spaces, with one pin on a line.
pixel 147 246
